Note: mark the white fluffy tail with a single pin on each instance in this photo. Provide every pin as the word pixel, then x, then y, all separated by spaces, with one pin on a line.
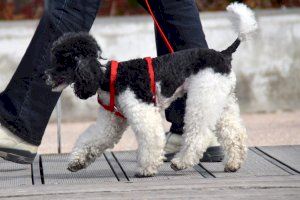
pixel 243 20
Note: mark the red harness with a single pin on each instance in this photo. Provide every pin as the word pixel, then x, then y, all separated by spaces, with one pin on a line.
pixel 114 69
pixel 112 90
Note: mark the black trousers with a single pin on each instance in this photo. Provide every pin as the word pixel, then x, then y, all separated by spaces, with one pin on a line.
pixel 27 103
pixel 180 21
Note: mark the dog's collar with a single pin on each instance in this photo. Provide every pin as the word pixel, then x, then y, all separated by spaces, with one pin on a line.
pixel 112 90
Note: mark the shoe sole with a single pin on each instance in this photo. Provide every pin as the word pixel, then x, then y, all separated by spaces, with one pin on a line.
pixel 212 154
pixel 17 156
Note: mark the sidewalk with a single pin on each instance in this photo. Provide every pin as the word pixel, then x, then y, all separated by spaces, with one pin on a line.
pixel 263 130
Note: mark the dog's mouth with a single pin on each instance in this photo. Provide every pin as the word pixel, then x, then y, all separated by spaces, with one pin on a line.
pixel 59 87
pixel 56 86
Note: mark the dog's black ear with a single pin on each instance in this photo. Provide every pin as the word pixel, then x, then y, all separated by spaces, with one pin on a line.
pixel 72 45
pixel 87 76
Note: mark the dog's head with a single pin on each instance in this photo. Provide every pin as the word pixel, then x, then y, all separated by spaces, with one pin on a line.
pixel 74 60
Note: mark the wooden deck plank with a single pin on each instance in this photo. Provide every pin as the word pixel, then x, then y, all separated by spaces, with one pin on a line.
pixel 12 174
pixel 55 171
pixel 127 159
pixel 264 188
pixel 289 155
pixel 254 165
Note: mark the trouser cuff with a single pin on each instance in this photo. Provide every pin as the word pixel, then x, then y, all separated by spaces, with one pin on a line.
pixel 176 129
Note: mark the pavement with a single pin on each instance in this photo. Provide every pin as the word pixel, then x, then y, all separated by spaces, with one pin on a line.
pixel 264 129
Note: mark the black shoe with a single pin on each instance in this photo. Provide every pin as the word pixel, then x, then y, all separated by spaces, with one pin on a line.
pixel 14 149
pixel 17 156
pixel 212 154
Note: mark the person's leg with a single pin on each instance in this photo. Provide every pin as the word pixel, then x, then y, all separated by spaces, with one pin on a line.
pixel 27 103
pixel 181 24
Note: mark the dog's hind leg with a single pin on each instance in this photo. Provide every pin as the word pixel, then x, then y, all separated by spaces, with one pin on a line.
pixel 146 121
pixel 104 134
pixel 232 135
pixel 206 98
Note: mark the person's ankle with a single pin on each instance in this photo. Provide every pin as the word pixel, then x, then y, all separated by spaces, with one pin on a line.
pixel 173 142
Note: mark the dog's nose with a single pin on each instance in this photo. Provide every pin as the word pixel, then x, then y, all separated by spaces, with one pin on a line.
pixel 47 78
pixel 44 77
pixel 47 72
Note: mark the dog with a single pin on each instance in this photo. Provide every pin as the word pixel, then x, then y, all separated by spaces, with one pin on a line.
pixel 205 75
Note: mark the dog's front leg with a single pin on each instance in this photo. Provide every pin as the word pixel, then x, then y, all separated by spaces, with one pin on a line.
pixel 100 136
pixel 145 120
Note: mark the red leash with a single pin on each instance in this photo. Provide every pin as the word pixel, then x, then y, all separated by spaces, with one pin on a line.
pixel 171 50
pixel 114 70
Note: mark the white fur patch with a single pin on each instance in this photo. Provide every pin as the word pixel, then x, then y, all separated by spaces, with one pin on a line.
pixel 164 102
pixel 60 87
pixel 102 135
pixel 207 97
pixel 243 19
pixel 145 120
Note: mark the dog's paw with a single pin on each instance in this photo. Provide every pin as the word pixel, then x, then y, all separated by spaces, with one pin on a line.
pixel 138 175
pixel 76 165
pixel 146 172
pixel 174 167
pixel 177 165
pixel 232 167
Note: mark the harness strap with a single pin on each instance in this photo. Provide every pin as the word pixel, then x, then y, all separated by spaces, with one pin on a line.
pixel 152 78
pixel 113 77
pixel 112 90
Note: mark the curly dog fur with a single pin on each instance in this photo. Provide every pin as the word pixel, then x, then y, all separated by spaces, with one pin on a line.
pixel 205 75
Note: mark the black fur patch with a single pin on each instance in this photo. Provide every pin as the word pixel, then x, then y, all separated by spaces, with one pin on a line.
pixel 171 70
pixel 70 47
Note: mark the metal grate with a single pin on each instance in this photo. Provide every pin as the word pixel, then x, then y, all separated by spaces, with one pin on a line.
pixel 255 165
pixel 116 167
pixel 127 160
pixel 55 171
pixel 288 155
pixel 12 174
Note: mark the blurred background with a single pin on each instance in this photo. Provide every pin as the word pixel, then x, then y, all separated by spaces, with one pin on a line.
pixel 267 67
pixel 33 9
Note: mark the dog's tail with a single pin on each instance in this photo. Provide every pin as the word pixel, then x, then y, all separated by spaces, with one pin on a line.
pixel 244 23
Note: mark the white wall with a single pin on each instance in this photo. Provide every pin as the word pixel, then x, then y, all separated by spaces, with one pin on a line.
pixel 268 67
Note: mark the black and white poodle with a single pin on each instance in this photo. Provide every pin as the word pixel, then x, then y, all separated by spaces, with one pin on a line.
pixel 205 75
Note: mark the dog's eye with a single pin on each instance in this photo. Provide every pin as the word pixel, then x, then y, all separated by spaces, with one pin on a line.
pixel 60 69
pixel 60 80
